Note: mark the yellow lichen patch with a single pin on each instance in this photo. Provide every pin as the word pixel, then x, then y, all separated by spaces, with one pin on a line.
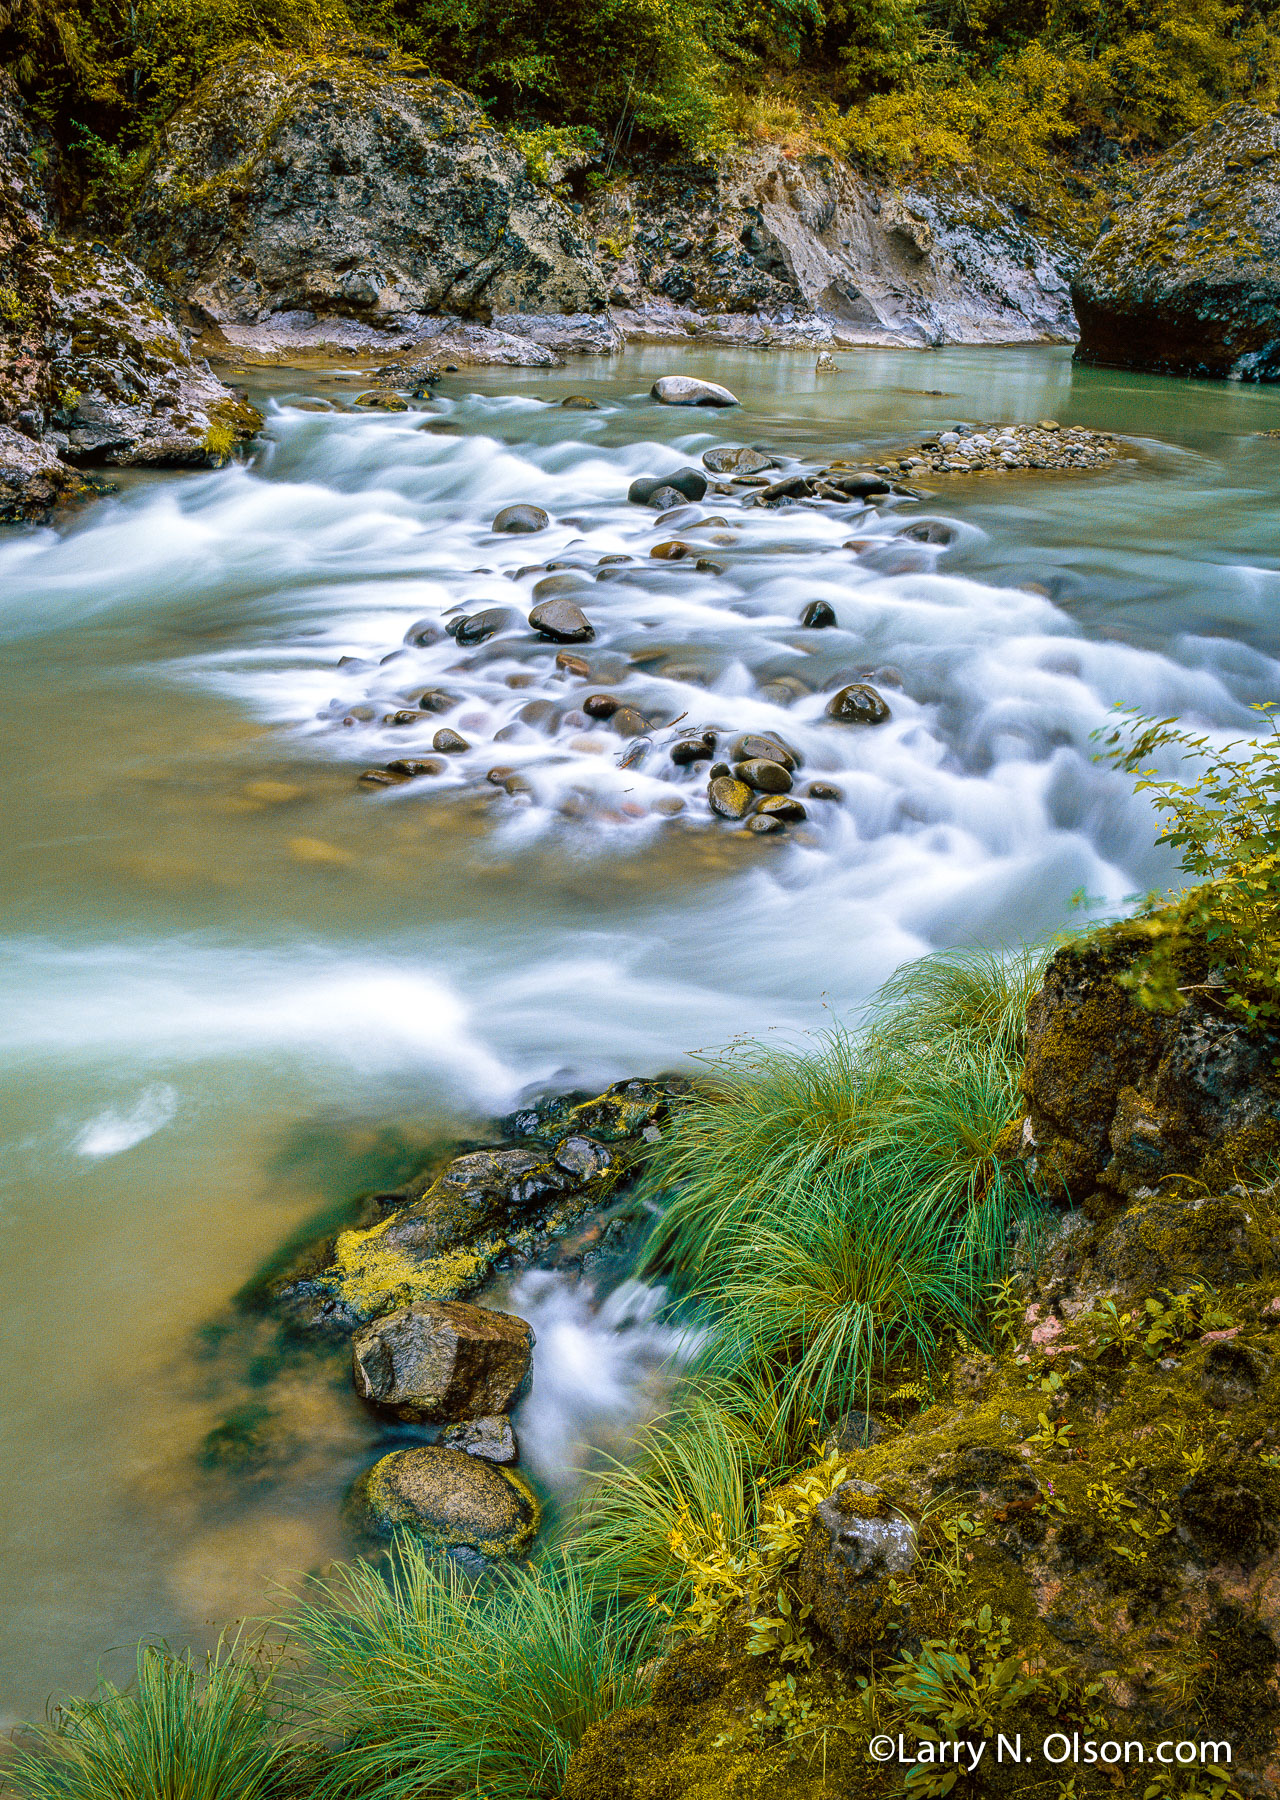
pixel 372 1277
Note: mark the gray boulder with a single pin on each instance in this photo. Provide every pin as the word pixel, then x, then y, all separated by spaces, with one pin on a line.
pixel 294 190
pixel 1186 279
pixel 687 390
pixel 443 1360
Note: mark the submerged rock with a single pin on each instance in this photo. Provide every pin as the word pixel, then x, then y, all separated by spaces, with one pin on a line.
pixel 1185 280
pixel 291 189
pixel 443 1361
pixel 522 518
pixel 452 1500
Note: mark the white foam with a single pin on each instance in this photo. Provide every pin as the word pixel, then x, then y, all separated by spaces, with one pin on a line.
pixel 113 1131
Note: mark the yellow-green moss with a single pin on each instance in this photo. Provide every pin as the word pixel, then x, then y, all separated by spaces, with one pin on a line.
pixel 372 1277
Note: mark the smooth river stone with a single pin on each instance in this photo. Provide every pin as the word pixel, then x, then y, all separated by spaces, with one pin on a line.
pixel 765 776
pixel 600 706
pixel 858 705
pixel 763 823
pixel 449 743
pixel 687 390
pixel 731 799
pixel 521 519
pixel 782 806
pixel 689 484
pixel 453 1500
pixel 563 621
pixel 818 615
pixel 752 745
pixel 735 459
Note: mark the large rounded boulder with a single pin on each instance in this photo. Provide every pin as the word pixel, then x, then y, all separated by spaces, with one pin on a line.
pixel 449 1499
pixel 1185 280
pixel 443 1360
pixel 293 184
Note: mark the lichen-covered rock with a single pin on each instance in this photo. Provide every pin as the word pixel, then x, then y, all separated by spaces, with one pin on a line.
pixel 1125 1099
pixel 93 367
pixel 292 189
pixel 1186 279
pixel 857 1548
pixel 451 1500
pixel 443 1361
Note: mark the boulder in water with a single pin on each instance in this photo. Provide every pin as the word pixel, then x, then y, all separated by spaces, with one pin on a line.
pixel 521 519
pixel 858 704
pixel 818 615
pixel 1185 280
pixel 687 390
pixel 729 797
pixel 763 775
pixel 563 621
pixel 443 1360
pixel 452 1500
pixel 688 484
pixel 735 459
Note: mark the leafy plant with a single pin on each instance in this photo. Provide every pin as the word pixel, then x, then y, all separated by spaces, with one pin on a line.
pixel 438 1687
pixel 187 1731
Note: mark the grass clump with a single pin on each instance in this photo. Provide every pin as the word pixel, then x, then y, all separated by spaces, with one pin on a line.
pixel 439 1687
pixel 837 1215
pixel 186 1731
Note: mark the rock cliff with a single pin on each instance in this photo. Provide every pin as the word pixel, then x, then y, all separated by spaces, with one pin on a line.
pixel 1185 280
pixel 93 367
pixel 299 202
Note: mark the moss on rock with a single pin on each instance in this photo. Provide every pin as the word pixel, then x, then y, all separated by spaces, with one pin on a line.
pixel 450 1499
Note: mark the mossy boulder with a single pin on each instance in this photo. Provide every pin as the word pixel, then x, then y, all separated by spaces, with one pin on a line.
pixel 1185 279
pixel 449 1499
pixel 857 1548
pixel 1127 1100
pixel 94 368
pixel 294 188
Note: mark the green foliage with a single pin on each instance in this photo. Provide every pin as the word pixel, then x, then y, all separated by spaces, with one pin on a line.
pixel 440 1687
pixel 185 1732
pixel 837 1213
pixel 1225 826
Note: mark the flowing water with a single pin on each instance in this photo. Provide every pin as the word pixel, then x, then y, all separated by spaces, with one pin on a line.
pixel 238 987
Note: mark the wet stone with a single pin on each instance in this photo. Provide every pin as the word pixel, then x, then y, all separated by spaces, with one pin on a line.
pixel 437 700
pixel 600 706
pixel 753 745
pixel 735 459
pixel 376 778
pixel 818 615
pixel 669 805
pixel 705 565
pixel 521 519
pixel 443 1360
pixel 823 790
pixel 730 798
pixel 697 747
pixel 580 403
pixel 360 715
pixel 517 784
pixel 671 551
pixel 629 723
pixel 717 769
pixel 563 621
pixel 929 531
pixel 687 390
pixel 483 625
pixel 553 587
pixel 377 402
pixel 862 485
pixel 405 716
pixel 764 824
pixel 449 743
pixel 415 766
pixel 687 484
pixel 858 705
pixel 765 776
pixel 452 1500
pixel 542 715
pixel 499 775
pixel 789 487
pixel 782 806
pixel 573 665
pixel 491 1439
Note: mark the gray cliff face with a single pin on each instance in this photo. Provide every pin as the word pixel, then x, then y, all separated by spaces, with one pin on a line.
pixel 1186 279
pixel 298 201
pixel 93 367
pixel 771 249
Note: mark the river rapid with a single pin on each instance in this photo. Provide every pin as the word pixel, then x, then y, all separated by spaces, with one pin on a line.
pixel 239 987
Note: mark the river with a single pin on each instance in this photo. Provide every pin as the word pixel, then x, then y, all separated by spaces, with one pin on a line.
pixel 238 986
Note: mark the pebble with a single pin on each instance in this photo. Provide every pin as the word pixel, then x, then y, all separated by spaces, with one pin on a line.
pixel 686 390
pixel 671 551
pixel 629 723
pixel 562 621
pixel 437 700
pixel 790 487
pixel 580 403
pixel 669 805
pixel 718 769
pixel 376 402
pixel 764 776
pixel 543 715
pixel 1000 449
pixel 517 784
pixel 573 665
pixel 405 716
pixel 521 519
pixel 730 798
pixel 608 562
pixel 823 790
pixel 499 775
pixel 705 565
pixel 359 715
pixel 858 705
pixel 481 626
pixel 751 746
pixel 861 485
pixel 783 806
pixel 449 743
pixel 552 586
pixel 818 615
pixel 422 633
pixel 929 531
pixel 381 778
pixel 600 706
pixel 696 747
pixel 764 823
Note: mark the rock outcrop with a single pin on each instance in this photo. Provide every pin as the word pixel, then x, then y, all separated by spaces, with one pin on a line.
pixel 1127 1101
pixel 297 201
pixel 770 249
pixel 1186 278
pixel 93 367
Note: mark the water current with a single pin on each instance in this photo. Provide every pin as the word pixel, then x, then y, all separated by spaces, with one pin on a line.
pixel 238 987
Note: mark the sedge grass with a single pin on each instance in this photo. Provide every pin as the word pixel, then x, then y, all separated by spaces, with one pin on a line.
pixel 440 1687
pixel 188 1730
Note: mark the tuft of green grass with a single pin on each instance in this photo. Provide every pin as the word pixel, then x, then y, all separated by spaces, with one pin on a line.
pixel 186 1732
pixel 837 1214
pixel 440 1686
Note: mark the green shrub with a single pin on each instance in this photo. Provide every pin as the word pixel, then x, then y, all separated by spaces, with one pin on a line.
pixel 186 1732
pixel 1225 826
pixel 442 1688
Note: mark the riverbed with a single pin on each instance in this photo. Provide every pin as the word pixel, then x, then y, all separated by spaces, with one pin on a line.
pixel 240 987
